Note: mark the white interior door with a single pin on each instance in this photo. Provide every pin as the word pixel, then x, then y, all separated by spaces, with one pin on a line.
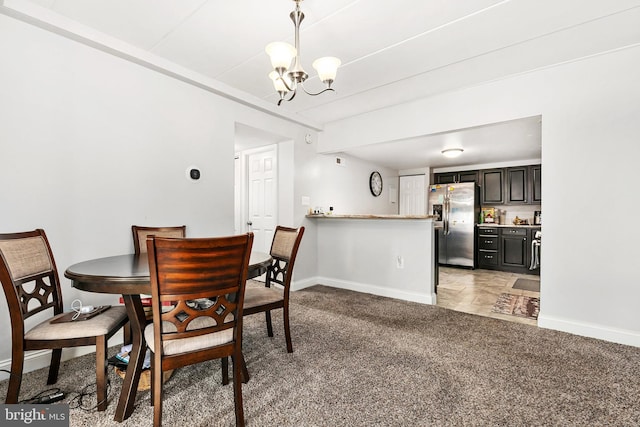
pixel 412 195
pixel 262 196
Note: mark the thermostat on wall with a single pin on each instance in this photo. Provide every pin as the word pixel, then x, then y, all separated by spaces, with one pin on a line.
pixel 193 173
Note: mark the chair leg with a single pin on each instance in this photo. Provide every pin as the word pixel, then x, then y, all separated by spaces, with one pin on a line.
pixel 101 372
pixel 225 370
pixel 17 364
pixel 153 381
pixel 56 354
pixel 126 330
pixel 267 315
pixel 245 371
pixel 287 331
pixel 237 388
pixel 156 372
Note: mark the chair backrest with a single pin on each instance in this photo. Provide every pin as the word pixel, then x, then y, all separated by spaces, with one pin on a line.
pixel 141 233
pixel 204 278
pixel 29 276
pixel 284 249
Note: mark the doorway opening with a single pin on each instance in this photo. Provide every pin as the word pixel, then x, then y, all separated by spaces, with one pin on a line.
pixel 263 184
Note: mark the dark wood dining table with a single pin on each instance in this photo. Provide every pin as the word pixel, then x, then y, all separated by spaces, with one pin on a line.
pixel 128 275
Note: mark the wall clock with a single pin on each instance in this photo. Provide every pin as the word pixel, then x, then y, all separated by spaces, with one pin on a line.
pixel 375 183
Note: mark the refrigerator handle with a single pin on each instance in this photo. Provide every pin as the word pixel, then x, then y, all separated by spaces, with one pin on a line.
pixel 446 215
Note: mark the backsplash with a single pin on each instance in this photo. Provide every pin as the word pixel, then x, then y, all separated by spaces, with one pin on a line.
pixel 522 212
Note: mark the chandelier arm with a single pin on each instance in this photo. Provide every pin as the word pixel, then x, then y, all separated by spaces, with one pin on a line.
pixel 293 94
pixel 289 89
pixel 315 94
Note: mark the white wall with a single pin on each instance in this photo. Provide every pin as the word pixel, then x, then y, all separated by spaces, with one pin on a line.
pixel 326 184
pixel 346 186
pixel 590 126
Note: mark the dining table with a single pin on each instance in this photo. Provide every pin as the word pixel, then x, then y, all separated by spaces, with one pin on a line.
pixel 128 275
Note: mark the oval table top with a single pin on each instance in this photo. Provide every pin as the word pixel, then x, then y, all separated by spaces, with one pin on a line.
pixel 129 274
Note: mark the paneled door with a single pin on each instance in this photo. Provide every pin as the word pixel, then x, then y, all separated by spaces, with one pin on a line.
pixel 262 196
pixel 412 195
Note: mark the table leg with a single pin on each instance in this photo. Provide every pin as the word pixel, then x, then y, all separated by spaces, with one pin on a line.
pixel 137 320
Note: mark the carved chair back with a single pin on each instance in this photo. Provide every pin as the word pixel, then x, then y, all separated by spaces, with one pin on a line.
pixel 140 234
pixel 204 278
pixel 29 277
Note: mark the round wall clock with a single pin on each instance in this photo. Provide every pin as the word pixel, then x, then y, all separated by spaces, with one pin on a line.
pixel 375 183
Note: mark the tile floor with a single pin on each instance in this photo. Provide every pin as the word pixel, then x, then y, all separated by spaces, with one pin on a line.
pixel 475 291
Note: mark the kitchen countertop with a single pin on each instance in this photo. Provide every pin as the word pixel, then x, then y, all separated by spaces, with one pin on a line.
pixel 509 225
pixel 371 216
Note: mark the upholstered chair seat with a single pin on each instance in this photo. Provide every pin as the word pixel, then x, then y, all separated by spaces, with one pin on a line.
pixel 98 325
pixel 258 295
pixel 184 345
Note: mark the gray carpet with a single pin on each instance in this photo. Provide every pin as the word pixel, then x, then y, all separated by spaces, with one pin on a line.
pixel 363 360
pixel 527 285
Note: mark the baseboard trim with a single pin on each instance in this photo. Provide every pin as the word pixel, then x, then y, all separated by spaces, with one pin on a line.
pixel 591 330
pixel 38 359
pixel 366 288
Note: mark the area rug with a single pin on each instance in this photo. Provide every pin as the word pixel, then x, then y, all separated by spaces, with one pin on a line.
pixel 517 305
pixel 527 285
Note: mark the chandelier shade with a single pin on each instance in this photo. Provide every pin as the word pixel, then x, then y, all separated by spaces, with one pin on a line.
pixel 288 73
pixel 327 68
pixel 281 54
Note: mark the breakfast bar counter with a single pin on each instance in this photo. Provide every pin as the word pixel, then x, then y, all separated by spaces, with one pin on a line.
pixel 387 255
pixel 371 216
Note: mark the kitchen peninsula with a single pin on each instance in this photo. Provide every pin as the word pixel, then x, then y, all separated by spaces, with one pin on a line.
pixel 386 255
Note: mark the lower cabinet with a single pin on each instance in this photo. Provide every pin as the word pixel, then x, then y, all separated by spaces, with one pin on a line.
pixel 505 249
pixel 488 243
pixel 514 244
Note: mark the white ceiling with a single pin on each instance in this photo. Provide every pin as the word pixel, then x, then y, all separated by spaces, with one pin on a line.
pixel 391 51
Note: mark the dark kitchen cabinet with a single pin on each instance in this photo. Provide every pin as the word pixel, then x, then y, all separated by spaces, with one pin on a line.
pixel 468 176
pixel 448 177
pixel 514 245
pixel 445 177
pixel 518 185
pixel 536 183
pixel 505 248
pixel 492 186
pixel 488 244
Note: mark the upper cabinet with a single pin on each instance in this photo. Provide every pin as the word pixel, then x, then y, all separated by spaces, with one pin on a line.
pixel 516 185
pixel 492 186
pixel 524 185
pixel 535 173
pixel 449 177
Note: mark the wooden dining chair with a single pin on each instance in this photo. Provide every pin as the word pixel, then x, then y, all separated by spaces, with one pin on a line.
pixel 140 234
pixel 31 286
pixel 206 277
pixel 264 297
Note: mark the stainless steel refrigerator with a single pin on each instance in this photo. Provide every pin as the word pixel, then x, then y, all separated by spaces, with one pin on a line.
pixel 458 209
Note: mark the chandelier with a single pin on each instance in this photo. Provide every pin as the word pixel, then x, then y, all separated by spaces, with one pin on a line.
pixel 288 73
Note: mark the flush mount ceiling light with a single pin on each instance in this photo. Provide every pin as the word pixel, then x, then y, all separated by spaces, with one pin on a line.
pixel 286 77
pixel 452 152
